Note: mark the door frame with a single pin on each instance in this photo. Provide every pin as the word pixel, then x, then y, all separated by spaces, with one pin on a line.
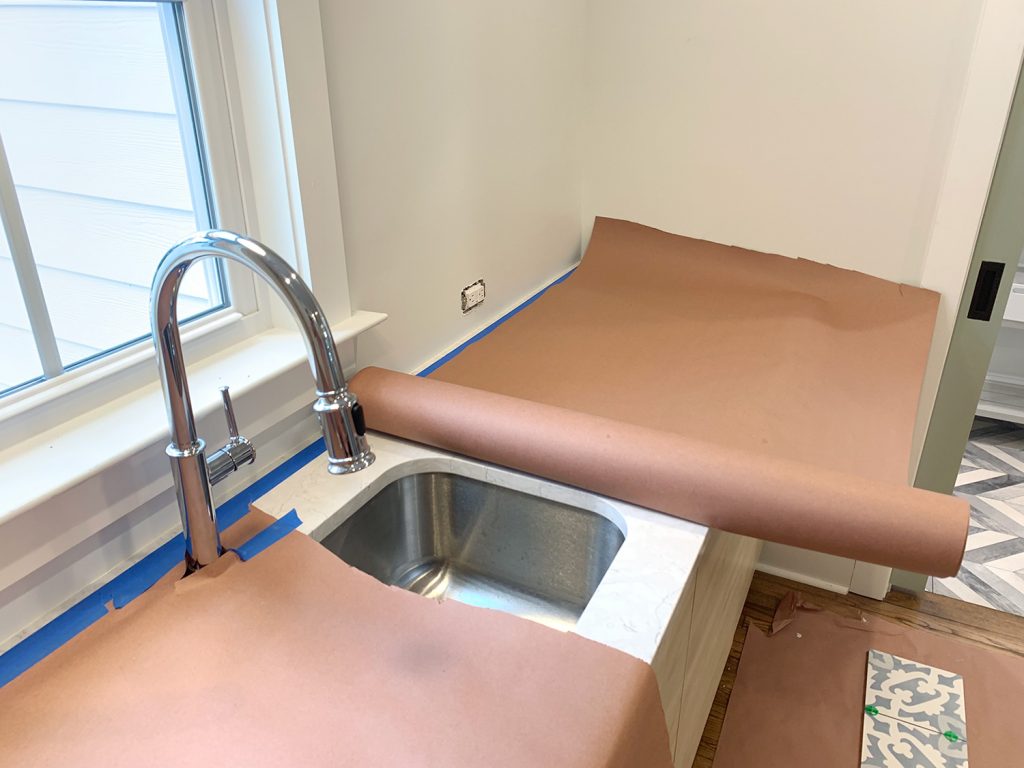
pixel 1000 239
pixel 983 178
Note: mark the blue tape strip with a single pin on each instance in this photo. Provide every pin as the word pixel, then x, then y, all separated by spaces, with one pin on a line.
pixel 234 509
pixel 135 580
pixel 46 640
pixel 486 331
pixel 273 533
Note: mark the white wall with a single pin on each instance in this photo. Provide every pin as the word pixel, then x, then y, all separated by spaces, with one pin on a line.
pixel 1002 396
pixel 860 133
pixel 812 129
pixel 455 126
pixel 1008 357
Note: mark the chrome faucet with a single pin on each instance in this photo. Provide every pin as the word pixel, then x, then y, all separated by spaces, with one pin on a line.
pixel 341 417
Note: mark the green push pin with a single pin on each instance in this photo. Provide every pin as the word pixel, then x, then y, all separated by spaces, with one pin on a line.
pixel 872 710
pixel 951 737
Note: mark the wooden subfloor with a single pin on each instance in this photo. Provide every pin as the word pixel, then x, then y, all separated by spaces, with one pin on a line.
pixel 934 613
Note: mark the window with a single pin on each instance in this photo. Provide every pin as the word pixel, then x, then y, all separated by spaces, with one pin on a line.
pixel 102 169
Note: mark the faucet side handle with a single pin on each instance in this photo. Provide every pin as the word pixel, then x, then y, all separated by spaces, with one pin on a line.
pixel 229 411
pixel 236 451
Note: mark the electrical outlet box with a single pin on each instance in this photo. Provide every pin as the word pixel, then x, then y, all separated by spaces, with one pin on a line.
pixel 473 295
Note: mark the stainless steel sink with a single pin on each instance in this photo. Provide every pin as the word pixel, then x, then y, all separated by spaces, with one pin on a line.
pixel 448 536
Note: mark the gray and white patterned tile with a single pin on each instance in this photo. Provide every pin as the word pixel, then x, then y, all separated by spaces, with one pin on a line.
pixel 971 475
pixel 983 427
pixel 991 478
pixel 983 537
pixel 983 487
pixel 1012 579
pixel 996 589
pixel 1012 562
pixel 914 715
pixel 995 515
pixel 982 459
pixel 1012 490
pixel 915 693
pixel 997 552
pixel 954 587
pixel 1002 457
pixel 889 743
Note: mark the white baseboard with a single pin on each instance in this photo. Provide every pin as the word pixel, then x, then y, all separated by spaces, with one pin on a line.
pixel 1002 397
pixel 803 578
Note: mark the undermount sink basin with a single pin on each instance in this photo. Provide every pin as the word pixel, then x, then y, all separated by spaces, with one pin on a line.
pixel 447 536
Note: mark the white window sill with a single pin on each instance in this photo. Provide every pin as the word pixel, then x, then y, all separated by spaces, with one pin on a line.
pixel 112 456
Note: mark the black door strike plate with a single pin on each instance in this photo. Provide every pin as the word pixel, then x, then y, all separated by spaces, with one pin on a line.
pixel 986 288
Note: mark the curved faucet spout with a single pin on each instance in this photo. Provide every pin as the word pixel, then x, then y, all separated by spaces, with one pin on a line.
pixel 339 413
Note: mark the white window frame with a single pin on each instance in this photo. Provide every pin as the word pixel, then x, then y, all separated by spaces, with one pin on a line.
pixel 208 44
pixel 86 483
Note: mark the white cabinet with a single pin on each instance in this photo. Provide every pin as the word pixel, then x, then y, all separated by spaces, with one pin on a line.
pixel 692 655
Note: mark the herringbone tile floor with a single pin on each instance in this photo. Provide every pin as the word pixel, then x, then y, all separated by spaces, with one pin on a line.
pixel 992 479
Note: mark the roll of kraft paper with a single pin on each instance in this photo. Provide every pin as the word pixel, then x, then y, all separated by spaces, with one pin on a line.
pixel 726 488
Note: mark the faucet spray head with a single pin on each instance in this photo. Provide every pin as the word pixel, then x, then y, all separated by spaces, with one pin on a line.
pixel 344 428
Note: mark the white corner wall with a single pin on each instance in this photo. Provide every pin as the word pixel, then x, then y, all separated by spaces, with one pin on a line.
pixel 455 127
pixel 811 129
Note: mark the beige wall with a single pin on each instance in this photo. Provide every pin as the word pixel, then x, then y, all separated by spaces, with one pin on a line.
pixel 455 132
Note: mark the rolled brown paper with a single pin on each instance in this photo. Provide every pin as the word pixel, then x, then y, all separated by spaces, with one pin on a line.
pixel 777 500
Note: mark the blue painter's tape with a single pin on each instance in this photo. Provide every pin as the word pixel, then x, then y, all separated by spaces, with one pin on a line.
pixel 234 509
pixel 133 582
pixel 486 331
pixel 49 638
pixel 273 533
pixel 136 580
pixel 144 574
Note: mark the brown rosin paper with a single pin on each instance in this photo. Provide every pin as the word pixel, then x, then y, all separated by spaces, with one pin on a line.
pixel 295 659
pixel 798 700
pixel 725 488
pixel 777 356
pixel 771 357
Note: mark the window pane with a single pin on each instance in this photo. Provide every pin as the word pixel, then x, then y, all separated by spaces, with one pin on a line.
pixel 19 361
pixel 98 131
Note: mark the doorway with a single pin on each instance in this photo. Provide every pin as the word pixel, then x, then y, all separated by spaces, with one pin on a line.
pixel 974 446
pixel 991 479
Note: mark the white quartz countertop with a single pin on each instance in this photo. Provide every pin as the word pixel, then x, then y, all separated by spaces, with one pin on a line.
pixel 637 597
